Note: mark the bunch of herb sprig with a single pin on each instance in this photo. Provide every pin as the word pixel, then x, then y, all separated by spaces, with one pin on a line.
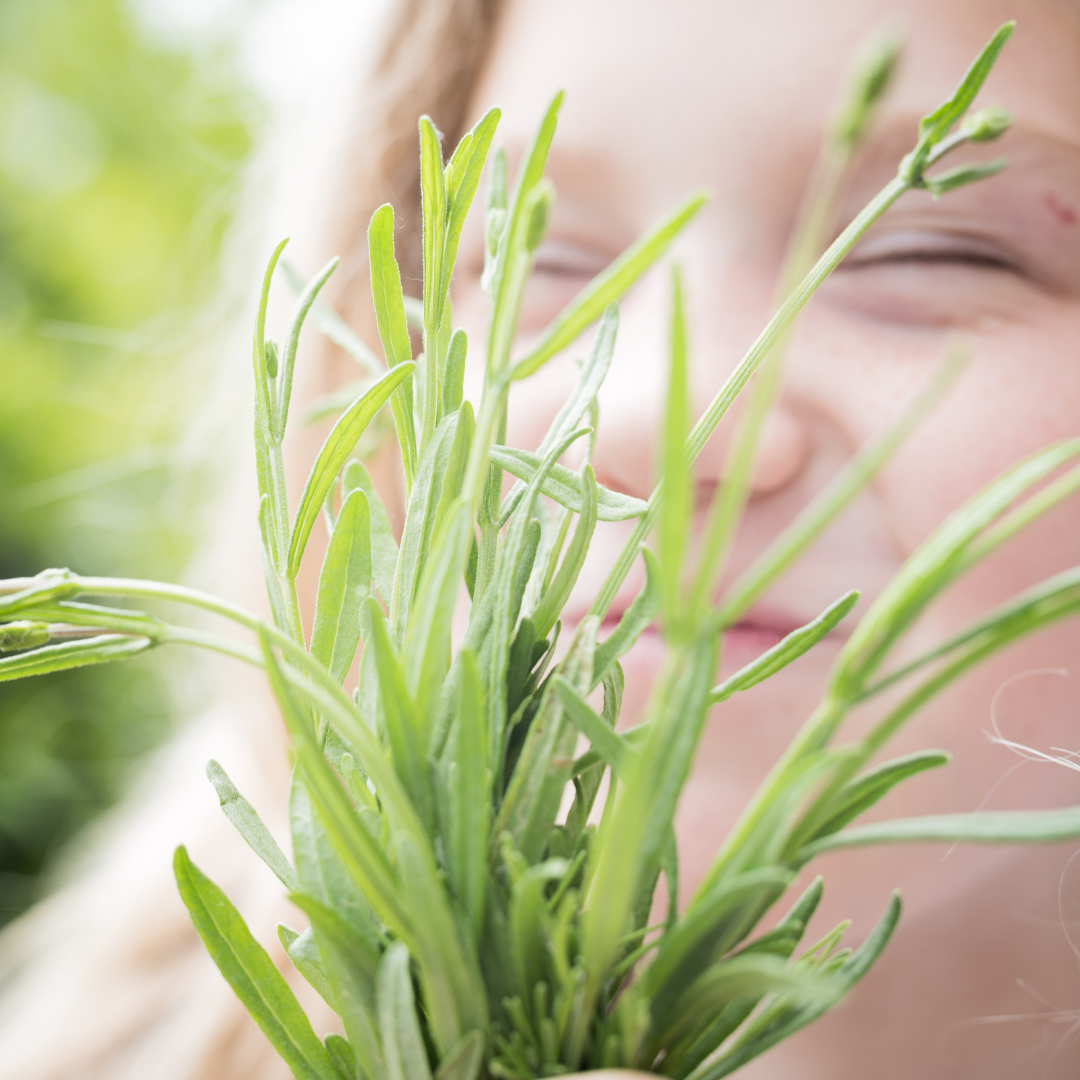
pixel 458 925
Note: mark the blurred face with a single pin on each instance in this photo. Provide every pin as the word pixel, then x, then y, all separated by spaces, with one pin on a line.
pixel 665 98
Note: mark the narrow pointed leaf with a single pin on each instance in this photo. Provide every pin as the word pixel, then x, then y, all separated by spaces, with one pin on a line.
pixel 251 973
pixel 72 654
pixel 250 826
pixel 564 486
pixel 406 1055
pixel 643 609
pixel 786 651
pixel 608 287
pixel 333 455
pixel 304 953
pixel 384 548
pixel 393 328
pixel 985 827
pixel 344 582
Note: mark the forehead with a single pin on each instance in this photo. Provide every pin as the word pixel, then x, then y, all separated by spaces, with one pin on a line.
pixel 704 88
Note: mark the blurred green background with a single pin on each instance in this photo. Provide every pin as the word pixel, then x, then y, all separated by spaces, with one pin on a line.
pixel 120 156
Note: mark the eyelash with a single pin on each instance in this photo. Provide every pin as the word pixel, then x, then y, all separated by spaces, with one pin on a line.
pixel 978 260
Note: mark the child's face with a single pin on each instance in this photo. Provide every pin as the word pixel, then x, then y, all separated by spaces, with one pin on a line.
pixel 663 98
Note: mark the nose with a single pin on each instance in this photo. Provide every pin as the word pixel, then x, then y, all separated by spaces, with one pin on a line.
pixel 632 406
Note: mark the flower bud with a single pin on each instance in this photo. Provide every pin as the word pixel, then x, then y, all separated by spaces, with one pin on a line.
pixel 986 124
pixel 23 635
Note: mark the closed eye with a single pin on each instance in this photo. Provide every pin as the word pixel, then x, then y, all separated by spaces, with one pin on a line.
pixel 564 258
pixel 930 249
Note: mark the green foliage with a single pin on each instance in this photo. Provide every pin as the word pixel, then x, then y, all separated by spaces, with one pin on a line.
pixel 118 168
pixel 460 926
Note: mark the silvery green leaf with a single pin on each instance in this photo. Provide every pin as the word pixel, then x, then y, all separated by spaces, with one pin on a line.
pixel 303 951
pixel 984 827
pixel 343 1056
pixel 403 1045
pixel 547 611
pixel 635 620
pixel 786 651
pixel 333 455
pixel 344 582
pixel 564 486
pixel 292 340
pixel 384 548
pixel 393 329
pixel 607 287
pixel 251 973
pixel 250 826
pixel 464 1060
pixel 72 654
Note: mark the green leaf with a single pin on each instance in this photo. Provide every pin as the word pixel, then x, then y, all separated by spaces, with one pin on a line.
pixel 251 973
pixel 744 976
pixel 542 772
pixel 433 203
pixel 343 1056
pixel 773 1028
pixel 944 182
pixel 406 1055
pixel 455 999
pixel 72 654
pixel 856 797
pixel 462 181
pixel 333 455
pixel 322 872
pixel 292 340
pixel 937 562
pixel 464 1060
pixel 607 287
pixel 333 326
pixel 610 746
pixel 303 951
pixel 454 383
pixel 512 260
pixel 636 619
pixel 364 859
pixel 405 726
pixel 393 329
pixel 528 919
pixel 987 827
pixel 711 926
pixel 384 548
pixel 250 826
pixel 564 486
pixel 427 638
pixel 554 599
pixel 344 582
pixel 786 651
pixel 351 968
pixel 629 843
pixel 470 799
pixel 264 402
pixel 674 525
pixel 424 501
pixel 936 125
pixel 574 409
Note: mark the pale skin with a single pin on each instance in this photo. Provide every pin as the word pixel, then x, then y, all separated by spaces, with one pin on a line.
pixel 665 98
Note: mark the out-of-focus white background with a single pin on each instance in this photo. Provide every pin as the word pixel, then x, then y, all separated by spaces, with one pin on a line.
pixel 150 150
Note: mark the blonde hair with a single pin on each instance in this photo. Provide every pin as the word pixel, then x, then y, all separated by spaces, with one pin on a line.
pixel 106 979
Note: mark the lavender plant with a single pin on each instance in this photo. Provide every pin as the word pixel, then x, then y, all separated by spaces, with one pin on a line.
pixel 459 925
